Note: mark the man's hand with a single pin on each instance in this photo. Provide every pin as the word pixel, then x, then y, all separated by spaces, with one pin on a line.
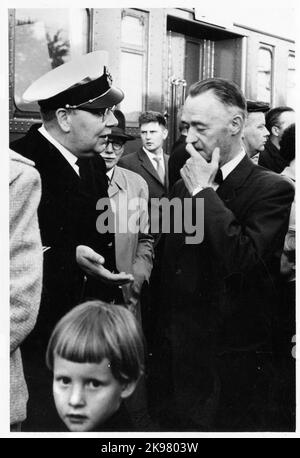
pixel 197 172
pixel 92 264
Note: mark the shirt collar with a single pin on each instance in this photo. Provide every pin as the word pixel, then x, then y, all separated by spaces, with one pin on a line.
pixel 152 155
pixel 71 158
pixel 110 173
pixel 231 165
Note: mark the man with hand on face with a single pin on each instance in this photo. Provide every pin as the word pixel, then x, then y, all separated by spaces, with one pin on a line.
pixel 255 133
pixel 220 296
pixel 76 102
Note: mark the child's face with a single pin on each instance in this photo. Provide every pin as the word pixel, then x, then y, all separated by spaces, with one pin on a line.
pixel 85 394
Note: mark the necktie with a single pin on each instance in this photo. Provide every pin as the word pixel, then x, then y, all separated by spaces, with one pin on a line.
pixel 83 167
pixel 219 177
pixel 160 168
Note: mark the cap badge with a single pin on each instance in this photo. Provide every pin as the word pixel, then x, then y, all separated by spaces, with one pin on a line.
pixel 108 76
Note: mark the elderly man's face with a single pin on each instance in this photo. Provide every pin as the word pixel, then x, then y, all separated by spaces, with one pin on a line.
pixel 255 133
pixel 209 124
pixel 89 131
pixel 113 152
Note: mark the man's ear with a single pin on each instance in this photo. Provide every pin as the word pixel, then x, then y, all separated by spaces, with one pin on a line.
pixel 64 119
pixel 165 134
pixel 275 131
pixel 128 389
pixel 237 124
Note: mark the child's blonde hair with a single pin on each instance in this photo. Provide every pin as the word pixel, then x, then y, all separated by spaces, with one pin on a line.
pixel 95 330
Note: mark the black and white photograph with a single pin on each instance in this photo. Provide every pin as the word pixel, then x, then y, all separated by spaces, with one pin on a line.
pixel 150 184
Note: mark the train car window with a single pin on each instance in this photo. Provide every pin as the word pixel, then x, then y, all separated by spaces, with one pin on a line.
pixel 44 40
pixel 265 74
pixel 132 30
pixel 291 80
pixel 134 44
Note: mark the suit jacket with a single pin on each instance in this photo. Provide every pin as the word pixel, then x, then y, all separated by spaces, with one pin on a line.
pixel 26 267
pixel 220 295
pixel 139 163
pixel 134 245
pixel 67 218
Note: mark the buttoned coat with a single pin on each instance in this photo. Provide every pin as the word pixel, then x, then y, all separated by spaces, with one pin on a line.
pixel 67 218
pixel 220 300
pixel 26 267
pixel 133 243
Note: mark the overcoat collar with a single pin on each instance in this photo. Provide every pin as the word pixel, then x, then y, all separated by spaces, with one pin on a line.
pixel 229 187
pixel 117 182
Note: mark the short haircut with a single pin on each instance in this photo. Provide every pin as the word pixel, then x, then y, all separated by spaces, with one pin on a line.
pixel 227 92
pixel 287 143
pixel 95 330
pixel 272 117
pixel 47 115
pixel 152 116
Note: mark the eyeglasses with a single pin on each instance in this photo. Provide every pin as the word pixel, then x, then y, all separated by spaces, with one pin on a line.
pixel 103 112
pixel 116 144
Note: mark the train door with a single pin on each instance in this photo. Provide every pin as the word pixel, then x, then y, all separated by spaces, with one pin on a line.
pixel 197 56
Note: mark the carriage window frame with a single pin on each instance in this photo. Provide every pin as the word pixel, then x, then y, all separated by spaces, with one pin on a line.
pixel 270 50
pixel 19 115
pixel 291 54
pixel 140 50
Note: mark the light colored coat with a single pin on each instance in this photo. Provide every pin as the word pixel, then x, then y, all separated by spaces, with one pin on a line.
pixel 26 267
pixel 129 195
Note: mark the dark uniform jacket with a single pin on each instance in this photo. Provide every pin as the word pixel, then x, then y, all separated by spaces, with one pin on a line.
pixel 220 300
pixel 67 218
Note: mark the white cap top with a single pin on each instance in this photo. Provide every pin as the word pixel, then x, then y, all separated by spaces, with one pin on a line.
pixel 80 70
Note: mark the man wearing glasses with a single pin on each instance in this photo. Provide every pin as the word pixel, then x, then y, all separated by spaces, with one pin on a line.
pixel 76 103
pixel 129 194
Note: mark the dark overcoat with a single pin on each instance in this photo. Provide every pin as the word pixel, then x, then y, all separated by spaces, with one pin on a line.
pixel 219 308
pixel 67 218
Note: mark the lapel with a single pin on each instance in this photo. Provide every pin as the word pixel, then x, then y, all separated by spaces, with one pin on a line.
pixel 147 165
pixel 51 163
pixel 166 161
pixel 228 190
pixel 117 182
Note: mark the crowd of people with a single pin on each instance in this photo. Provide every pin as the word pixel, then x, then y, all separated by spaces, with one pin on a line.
pixel 120 321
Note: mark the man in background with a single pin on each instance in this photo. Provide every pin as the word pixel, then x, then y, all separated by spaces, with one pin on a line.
pixel 277 120
pixel 255 132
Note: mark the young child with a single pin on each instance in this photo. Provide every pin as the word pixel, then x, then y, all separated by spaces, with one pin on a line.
pixel 96 355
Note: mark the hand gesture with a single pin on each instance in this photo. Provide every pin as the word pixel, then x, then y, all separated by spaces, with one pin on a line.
pixel 197 171
pixel 92 264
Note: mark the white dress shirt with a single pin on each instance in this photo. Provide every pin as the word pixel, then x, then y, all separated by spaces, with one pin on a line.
pixel 226 170
pixel 151 157
pixel 71 158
